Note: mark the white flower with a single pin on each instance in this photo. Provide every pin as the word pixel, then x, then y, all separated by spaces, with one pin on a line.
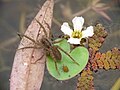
pixel 77 33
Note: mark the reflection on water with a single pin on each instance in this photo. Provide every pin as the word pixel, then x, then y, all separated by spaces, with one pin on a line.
pixel 16 15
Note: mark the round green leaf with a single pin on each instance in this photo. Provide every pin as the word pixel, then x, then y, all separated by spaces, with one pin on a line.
pixel 80 55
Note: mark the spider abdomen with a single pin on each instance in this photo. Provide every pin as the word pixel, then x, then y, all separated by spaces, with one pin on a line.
pixel 55 53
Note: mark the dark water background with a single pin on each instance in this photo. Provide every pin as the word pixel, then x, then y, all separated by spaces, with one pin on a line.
pixel 16 15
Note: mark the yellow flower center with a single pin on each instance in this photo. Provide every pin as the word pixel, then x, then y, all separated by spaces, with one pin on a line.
pixel 76 34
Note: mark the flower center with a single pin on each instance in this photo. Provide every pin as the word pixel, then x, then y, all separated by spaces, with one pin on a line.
pixel 76 34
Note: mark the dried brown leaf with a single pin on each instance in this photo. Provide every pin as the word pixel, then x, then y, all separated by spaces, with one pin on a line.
pixel 25 75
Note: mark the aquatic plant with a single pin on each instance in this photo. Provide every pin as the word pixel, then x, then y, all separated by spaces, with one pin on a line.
pixel 97 60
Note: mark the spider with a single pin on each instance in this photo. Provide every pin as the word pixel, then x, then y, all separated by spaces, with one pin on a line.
pixel 48 45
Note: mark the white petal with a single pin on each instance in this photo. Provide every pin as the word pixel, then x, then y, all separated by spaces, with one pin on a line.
pixel 78 23
pixel 65 28
pixel 74 40
pixel 88 32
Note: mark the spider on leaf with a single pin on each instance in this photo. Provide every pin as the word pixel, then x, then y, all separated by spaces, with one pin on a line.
pixel 48 45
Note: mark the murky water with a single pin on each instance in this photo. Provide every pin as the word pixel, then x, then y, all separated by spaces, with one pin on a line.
pixel 16 15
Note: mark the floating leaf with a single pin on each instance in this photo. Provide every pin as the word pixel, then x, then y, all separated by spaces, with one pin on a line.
pixel 112 64
pixel 85 82
pixel 117 63
pixel 97 56
pixel 93 47
pixel 116 57
pixel 108 55
pixel 94 66
pixel 97 39
pixel 80 54
pixel 102 58
pixel 106 64
pixel 100 64
pixel 108 60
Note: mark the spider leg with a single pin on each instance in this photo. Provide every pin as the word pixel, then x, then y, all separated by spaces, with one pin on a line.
pixel 22 35
pixel 38 59
pixel 52 55
pixel 35 47
pixel 67 54
pixel 50 34
pixel 42 27
pixel 57 68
